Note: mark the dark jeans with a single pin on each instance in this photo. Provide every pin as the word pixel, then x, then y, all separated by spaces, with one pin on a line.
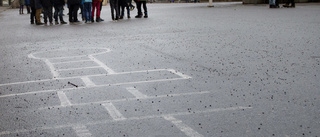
pixel 114 7
pixel 73 12
pixel 58 11
pixel 47 13
pixel 32 15
pixel 144 7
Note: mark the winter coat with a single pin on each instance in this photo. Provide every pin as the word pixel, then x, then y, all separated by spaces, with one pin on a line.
pixel 59 2
pixel 27 2
pixel 74 2
pixel 37 4
pixel 47 3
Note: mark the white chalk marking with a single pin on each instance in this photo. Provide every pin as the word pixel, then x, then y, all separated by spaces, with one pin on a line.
pixel 88 82
pixel 179 73
pixel 52 69
pixel 82 131
pixel 104 66
pixel 66 62
pixel 63 99
pixel 136 93
pixel 183 127
pixel 114 113
pixel 131 99
pixel 78 68
pixel 131 118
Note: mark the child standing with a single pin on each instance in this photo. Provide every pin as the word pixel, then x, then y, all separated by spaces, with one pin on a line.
pixel 96 6
pixel 58 11
pixel 21 2
pixel 87 10
pixel 47 8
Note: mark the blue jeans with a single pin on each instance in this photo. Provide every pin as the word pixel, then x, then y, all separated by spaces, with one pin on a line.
pixel 58 10
pixel 87 10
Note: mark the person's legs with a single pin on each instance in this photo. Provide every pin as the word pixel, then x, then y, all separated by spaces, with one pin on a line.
pixel 145 9
pixel 32 15
pixel 94 5
pixel 50 14
pixel 98 11
pixel 70 13
pixel 75 12
pixel 138 3
pixel 38 12
pixel 45 13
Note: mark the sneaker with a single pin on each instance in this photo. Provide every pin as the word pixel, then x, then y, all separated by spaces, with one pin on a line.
pixel 145 16
pixel 121 17
pixel 56 22
pixel 62 22
pixel 101 19
pixel 129 17
pixel 76 22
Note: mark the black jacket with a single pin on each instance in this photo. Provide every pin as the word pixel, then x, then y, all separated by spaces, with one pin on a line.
pixel 47 3
pixel 59 2
pixel 74 2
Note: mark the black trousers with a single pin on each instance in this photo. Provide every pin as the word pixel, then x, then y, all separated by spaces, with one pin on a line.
pixel 32 15
pixel 73 12
pixel 144 3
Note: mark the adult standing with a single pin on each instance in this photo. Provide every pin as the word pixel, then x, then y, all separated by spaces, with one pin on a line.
pixel 74 6
pixel 144 3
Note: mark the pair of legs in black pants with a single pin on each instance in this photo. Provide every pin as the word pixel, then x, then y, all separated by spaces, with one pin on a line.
pixel 73 13
pixel 144 3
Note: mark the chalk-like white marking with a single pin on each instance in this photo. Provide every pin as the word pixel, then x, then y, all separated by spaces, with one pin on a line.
pixel 179 73
pixel 130 99
pixel 82 131
pixel 88 82
pixel 63 99
pixel 113 111
pixel 131 118
pixel 78 68
pixel 52 69
pixel 104 66
pixel 66 62
pixel 183 127
pixel 136 93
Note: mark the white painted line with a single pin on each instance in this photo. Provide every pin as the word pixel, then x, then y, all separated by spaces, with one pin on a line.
pixel 82 131
pixel 131 118
pixel 105 85
pixel 63 99
pixel 136 93
pixel 78 68
pixel 130 99
pixel 52 69
pixel 183 127
pixel 65 62
pixel 109 70
pixel 43 80
pixel 114 113
pixel 88 82
pixel 179 74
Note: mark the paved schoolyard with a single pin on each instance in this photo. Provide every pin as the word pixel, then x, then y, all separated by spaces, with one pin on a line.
pixel 187 70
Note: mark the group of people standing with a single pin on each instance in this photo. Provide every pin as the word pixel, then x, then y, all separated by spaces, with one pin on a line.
pixel 89 9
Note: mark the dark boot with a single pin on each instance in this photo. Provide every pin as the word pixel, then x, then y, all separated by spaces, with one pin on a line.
pixel 145 15
pixel 139 15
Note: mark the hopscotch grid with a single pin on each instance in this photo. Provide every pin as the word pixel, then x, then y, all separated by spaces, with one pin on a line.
pixel 128 119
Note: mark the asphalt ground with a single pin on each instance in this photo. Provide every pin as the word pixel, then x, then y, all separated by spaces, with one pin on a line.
pixel 187 70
